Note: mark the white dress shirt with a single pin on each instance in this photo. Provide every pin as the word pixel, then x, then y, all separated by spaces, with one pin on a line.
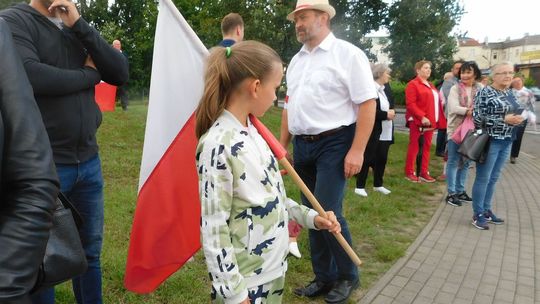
pixel 325 86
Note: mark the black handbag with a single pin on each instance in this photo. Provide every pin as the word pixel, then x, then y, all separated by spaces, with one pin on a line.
pixel 64 255
pixel 475 145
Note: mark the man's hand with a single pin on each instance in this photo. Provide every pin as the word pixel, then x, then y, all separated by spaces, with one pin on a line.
pixel 353 163
pixel 65 10
pixel 90 63
pixel 329 223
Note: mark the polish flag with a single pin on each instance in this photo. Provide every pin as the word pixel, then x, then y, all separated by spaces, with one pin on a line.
pixel 165 232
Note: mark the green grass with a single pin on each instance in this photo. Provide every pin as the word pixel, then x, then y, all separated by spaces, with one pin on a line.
pixel 382 226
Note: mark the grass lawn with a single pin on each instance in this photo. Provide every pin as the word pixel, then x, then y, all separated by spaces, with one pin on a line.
pixel 382 226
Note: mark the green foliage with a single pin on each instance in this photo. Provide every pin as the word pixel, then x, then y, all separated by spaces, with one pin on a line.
pixel 420 29
pixel 529 82
pixel 398 90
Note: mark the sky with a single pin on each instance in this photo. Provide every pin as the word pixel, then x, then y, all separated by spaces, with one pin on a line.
pixel 495 19
pixel 499 19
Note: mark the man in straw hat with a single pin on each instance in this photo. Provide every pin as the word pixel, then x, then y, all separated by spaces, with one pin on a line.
pixel 330 110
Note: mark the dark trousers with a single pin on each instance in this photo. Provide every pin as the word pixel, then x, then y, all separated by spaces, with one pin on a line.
pixel 121 93
pixel 440 145
pixel 516 145
pixel 375 156
pixel 320 164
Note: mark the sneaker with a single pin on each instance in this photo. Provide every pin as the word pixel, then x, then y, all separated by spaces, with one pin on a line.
pixel 411 177
pixel 452 199
pixel 479 221
pixel 382 190
pixel 492 218
pixel 463 196
pixel 427 178
pixel 512 160
pixel 361 192
pixel 441 177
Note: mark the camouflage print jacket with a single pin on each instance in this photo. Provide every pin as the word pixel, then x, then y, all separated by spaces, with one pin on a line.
pixel 244 209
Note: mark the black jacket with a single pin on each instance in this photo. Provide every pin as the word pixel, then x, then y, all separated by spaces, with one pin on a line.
pixel 28 181
pixel 381 116
pixel 63 87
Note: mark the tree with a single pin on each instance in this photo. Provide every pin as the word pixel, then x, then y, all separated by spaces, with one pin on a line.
pixel 355 18
pixel 95 12
pixel 421 29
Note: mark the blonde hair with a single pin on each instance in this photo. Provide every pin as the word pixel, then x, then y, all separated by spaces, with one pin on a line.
pixel 225 69
pixel 420 64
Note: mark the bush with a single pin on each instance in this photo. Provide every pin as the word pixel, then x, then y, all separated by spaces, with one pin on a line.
pixel 398 90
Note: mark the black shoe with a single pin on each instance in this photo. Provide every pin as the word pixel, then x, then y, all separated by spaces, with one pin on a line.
pixel 452 199
pixel 463 196
pixel 342 291
pixel 313 289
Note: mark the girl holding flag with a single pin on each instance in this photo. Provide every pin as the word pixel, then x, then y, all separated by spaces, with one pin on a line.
pixel 244 208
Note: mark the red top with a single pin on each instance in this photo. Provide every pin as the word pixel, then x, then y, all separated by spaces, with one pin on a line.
pixel 420 102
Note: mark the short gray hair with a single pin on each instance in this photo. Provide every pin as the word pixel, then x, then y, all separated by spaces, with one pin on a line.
pixel 379 69
pixel 497 65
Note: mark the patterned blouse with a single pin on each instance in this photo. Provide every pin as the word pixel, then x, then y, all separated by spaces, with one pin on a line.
pixel 244 209
pixel 490 107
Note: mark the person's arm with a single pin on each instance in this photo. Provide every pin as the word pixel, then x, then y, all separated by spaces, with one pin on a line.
pixel 216 190
pixel 47 80
pixel 284 134
pixel 307 217
pixel 111 64
pixel 411 101
pixel 364 125
pixel 29 182
pixel 453 104
pixel 380 115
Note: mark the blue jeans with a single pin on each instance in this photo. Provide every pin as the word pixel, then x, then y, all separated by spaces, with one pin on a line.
pixel 455 176
pixel 320 165
pixel 488 173
pixel 83 185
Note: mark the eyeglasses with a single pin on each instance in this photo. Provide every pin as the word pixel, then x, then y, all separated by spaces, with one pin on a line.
pixel 505 73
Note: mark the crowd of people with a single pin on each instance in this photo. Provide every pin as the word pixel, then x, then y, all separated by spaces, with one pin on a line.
pixel 338 115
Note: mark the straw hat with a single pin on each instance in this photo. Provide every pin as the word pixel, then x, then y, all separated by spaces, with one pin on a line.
pixel 321 5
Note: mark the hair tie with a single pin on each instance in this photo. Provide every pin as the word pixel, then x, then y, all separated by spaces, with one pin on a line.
pixel 228 51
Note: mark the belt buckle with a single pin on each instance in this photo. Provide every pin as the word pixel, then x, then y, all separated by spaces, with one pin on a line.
pixel 310 137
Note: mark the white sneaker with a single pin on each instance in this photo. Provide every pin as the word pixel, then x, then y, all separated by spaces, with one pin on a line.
pixel 361 192
pixel 382 190
pixel 293 249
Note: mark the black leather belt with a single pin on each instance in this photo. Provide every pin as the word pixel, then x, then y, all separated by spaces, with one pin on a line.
pixel 312 138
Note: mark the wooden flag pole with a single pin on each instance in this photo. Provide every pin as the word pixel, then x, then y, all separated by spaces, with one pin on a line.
pixel 280 154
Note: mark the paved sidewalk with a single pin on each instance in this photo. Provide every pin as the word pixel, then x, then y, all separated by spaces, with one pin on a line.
pixel 453 262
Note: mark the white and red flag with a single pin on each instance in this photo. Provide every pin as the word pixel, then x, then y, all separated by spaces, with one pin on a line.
pixel 165 232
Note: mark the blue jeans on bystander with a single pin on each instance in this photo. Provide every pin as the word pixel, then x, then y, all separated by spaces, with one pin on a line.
pixel 455 176
pixel 83 185
pixel 488 173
